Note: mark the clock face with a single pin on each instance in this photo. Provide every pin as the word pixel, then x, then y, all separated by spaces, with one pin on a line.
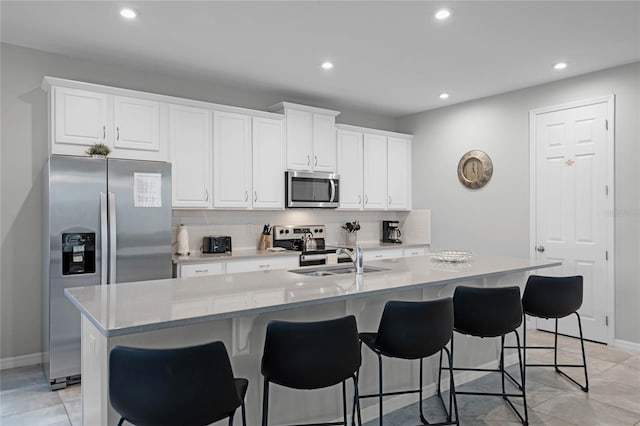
pixel 475 169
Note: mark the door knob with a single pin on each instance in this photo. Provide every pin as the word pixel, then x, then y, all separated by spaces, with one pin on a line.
pixel 540 249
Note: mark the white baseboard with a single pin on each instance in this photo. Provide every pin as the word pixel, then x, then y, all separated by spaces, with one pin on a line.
pixel 625 344
pixel 400 401
pixel 20 361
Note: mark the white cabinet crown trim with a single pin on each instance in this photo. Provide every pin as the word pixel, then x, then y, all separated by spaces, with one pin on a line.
pixel 359 129
pixel 280 107
pixel 48 82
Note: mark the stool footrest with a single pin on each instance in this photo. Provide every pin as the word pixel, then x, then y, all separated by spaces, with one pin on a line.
pixel 556 365
pixel 375 395
pixel 519 395
pixel 530 347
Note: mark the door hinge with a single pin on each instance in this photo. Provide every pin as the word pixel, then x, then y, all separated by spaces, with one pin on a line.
pixel 606 255
pixel 606 124
pixel 606 320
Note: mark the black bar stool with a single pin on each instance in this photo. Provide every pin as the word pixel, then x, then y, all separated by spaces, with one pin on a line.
pixel 182 386
pixel 555 297
pixel 414 330
pixel 491 312
pixel 311 355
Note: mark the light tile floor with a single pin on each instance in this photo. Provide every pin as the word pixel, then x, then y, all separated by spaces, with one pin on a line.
pixel 613 398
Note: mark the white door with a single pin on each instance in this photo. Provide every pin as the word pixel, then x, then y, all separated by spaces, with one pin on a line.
pixel 231 160
pixel 350 169
pixel 399 173
pixel 190 151
pixel 572 201
pixel 299 139
pixel 268 163
pixel 324 143
pixel 375 172
pixel 80 118
pixel 137 124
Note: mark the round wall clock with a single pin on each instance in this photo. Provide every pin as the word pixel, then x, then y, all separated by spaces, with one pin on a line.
pixel 475 169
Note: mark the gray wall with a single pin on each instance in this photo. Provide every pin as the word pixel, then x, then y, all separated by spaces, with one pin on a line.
pixel 495 219
pixel 24 151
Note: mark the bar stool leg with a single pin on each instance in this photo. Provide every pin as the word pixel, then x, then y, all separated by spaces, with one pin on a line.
pixel 380 382
pixel 422 417
pixel 356 400
pixel 265 403
pixel 231 419
pixel 585 388
pixel 452 389
pixel 523 373
pixel 344 402
pixel 244 414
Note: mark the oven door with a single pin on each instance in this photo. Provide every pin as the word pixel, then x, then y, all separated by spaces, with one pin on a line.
pixel 312 190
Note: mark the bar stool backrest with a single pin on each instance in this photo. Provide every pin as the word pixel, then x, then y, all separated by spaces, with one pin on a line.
pixel 413 330
pixel 552 297
pixel 186 386
pixel 487 312
pixel 311 355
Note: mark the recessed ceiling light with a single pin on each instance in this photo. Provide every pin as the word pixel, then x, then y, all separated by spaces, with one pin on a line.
pixel 560 65
pixel 127 12
pixel 327 65
pixel 444 96
pixel 442 14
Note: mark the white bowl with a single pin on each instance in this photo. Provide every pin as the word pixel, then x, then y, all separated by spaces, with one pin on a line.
pixel 453 256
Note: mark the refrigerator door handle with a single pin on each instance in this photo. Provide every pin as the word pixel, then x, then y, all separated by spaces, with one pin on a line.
pixel 104 239
pixel 112 238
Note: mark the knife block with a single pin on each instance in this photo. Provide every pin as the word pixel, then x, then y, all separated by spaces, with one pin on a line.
pixel 264 242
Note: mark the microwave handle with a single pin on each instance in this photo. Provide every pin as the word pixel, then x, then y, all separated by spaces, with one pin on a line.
pixel 333 190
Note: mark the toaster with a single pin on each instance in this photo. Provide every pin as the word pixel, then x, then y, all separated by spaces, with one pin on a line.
pixel 216 244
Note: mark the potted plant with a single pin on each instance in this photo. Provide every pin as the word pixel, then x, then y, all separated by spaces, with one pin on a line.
pixel 98 150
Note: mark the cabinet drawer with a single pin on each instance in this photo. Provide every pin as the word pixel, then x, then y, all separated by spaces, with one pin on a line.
pixel 265 264
pixel 414 251
pixel 383 254
pixel 201 269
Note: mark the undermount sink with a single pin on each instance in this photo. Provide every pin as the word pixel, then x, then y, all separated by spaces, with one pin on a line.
pixel 334 270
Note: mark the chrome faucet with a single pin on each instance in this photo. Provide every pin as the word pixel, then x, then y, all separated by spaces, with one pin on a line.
pixel 355 256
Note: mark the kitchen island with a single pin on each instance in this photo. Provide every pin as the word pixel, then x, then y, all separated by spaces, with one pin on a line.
pixel 235 308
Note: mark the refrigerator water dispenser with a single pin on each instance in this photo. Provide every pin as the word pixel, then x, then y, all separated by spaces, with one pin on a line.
pixel 79 253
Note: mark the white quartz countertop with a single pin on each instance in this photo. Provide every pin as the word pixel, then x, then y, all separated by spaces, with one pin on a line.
pixel 128 308
pixel 198 257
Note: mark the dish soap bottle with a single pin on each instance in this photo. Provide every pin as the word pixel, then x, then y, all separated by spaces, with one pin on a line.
pixel 183 240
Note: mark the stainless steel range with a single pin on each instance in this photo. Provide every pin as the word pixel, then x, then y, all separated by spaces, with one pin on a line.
pixel 309 240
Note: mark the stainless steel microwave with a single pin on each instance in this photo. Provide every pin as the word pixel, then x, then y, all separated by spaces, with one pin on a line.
pixel 312 189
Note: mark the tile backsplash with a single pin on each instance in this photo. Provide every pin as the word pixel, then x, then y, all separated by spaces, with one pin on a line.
pixel 245 226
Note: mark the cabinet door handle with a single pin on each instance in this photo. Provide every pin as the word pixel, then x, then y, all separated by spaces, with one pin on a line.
pixel 308 160
pixel 366 199
pixel 359 198
pixel 264 266
pixel 104 132
pixel 389 199
pixel 200 271
pixel 255 196
pixel 246 195
pixel 206 195
pixel 117 133
pixel 315 160
pixel 378 256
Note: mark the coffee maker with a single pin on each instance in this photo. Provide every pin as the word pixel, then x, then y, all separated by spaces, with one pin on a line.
pixel 391 231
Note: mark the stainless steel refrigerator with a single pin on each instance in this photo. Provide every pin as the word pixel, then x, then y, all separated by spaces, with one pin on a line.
pixel 106 221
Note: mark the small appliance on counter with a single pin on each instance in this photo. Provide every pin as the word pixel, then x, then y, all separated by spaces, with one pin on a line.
pixel 391 231
pixel 309 241
pixel 216 244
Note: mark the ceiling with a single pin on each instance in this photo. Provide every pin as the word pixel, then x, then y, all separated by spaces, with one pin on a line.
pixel 391 57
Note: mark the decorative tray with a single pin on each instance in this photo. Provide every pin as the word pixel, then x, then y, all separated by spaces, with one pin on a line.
pixel 454 256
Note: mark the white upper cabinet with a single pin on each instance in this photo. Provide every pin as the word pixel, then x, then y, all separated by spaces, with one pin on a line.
pixel 129 126
pixel 350 163
pixel 231 160
pixel 190 155
pixel 324 143
pixel 310 137
pixel 79 119
pixel 375 169
pixel 375 172
pixel 398 174
pixel 137 124
pixel 268 163
pixel 299 139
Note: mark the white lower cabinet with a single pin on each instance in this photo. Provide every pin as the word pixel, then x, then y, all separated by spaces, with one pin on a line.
pixel 264 264
pixel 415 251
pixel 383 254
pixel 200 269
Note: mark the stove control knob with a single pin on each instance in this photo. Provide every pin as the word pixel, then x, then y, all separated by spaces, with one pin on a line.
pixel 286 231
pixel 281 231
